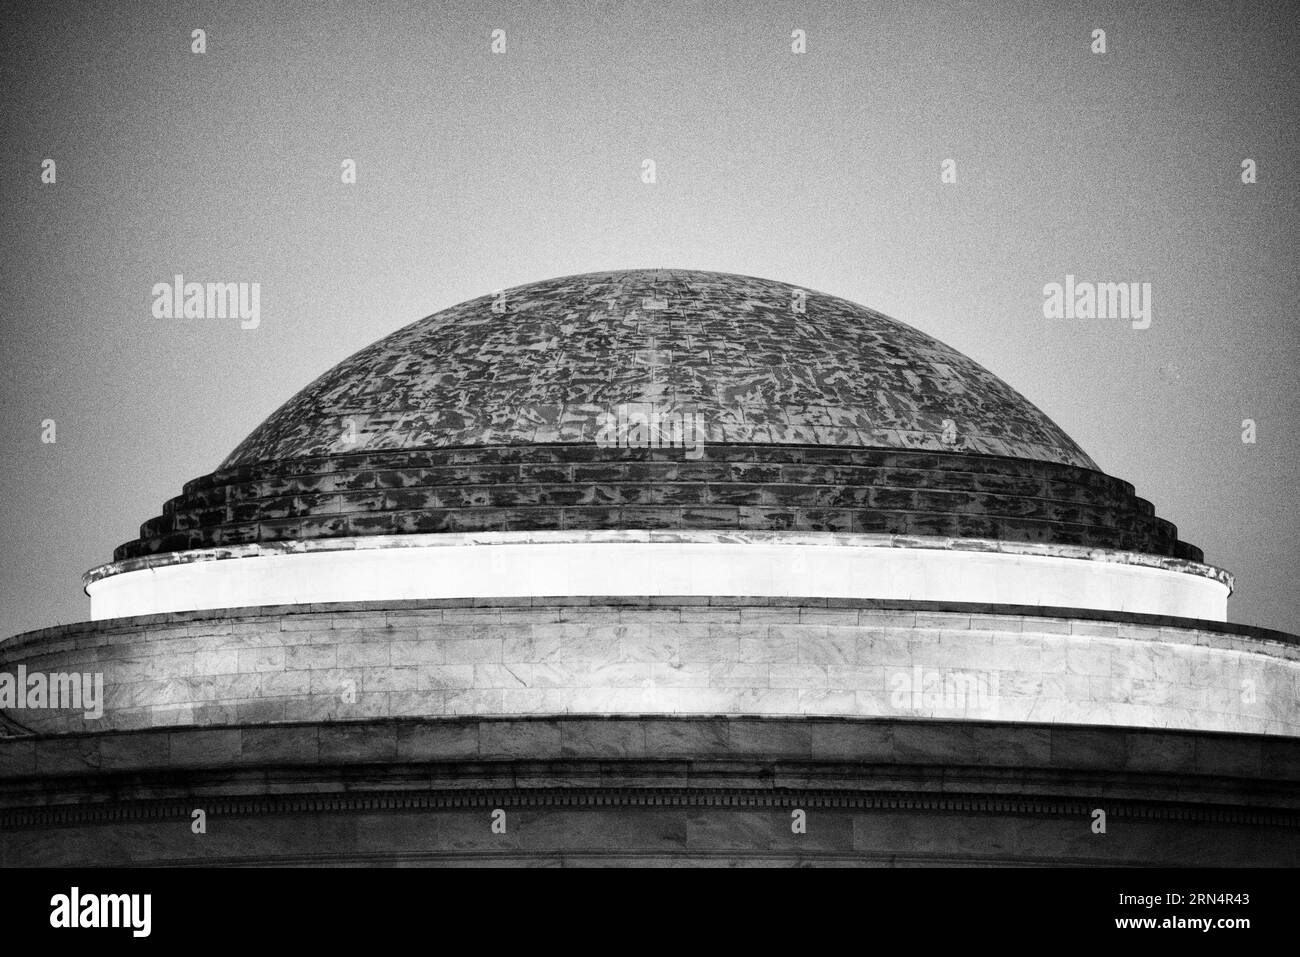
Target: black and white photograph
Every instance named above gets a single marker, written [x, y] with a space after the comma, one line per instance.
[598, 434]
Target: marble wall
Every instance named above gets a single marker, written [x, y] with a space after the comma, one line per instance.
[665, 656]
[650, 790]
[663, 563]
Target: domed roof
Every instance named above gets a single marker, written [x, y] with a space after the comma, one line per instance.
[656, 400]
[763, 362]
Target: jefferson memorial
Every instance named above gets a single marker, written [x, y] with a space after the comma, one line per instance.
[658, 566]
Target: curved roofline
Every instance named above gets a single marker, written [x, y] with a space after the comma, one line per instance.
[828, 371]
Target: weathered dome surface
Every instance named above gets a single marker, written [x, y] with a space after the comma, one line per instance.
[564, 352]
[805, 413]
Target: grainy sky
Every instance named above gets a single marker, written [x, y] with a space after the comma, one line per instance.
[479, 171]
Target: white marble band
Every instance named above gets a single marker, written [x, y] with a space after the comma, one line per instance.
[773, 564]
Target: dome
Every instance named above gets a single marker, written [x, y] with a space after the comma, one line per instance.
[658, 432]
[546, 549]
[768, 408]
[761, 361]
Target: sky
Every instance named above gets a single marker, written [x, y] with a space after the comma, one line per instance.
[479, 170]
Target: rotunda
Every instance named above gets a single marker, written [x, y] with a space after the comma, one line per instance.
[632, 566]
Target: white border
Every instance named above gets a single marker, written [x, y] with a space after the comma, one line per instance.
[695, 563]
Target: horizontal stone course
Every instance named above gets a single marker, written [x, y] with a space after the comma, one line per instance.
[635, 656]
[735, 739]
[258, 621]
[741, 487]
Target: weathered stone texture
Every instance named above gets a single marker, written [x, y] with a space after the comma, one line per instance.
[646, 790]
[560, 353]
[558, 487]
[642, 656]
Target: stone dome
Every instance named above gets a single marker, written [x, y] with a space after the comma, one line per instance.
[478, 566]
[555, 356]
[518, 412]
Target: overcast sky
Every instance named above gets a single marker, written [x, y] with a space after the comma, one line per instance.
[478, 171]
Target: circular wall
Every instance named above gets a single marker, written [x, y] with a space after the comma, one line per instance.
[670, 656]
[694, 563]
